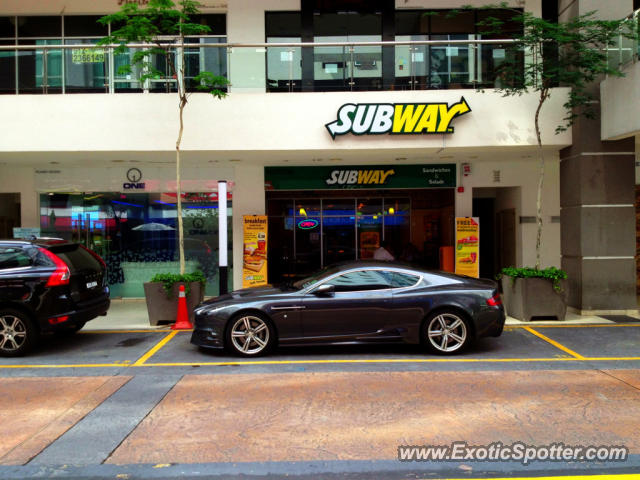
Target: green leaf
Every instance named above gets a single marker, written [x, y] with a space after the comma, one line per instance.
[168, 280]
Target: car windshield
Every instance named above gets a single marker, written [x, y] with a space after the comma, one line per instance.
[307, 282]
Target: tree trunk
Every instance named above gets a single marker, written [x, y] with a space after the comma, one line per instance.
[179, 189]
[543, 96]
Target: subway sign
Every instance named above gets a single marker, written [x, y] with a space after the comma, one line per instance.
[396, 118]
[356, 176]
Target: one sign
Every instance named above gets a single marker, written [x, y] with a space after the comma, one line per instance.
[351, 177]
[254, 264]
[468, 246]
[26, 233]
[396, 118]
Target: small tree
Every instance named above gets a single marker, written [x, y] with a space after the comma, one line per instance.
[158, 24]
[581, 44]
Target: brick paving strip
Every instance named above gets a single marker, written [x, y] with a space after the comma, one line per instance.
[36, 411]
[365, 416]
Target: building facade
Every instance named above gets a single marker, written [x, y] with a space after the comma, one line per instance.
[342, 145]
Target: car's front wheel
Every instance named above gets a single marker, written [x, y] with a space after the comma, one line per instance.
[446, 332]
[18, 334]
[250, 335]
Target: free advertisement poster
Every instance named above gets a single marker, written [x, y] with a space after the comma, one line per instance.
[254, 264]
[468, 246]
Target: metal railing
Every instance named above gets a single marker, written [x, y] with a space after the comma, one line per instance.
[83, 66]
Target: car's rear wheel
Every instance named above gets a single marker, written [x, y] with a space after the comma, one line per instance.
[250, 335]
[18, 334]
[446, 332]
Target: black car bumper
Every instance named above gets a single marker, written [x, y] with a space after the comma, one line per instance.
[77, 314]
[490, 322]
[207, 338]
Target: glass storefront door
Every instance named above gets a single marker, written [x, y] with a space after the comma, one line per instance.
[136, 233]
[307, 234]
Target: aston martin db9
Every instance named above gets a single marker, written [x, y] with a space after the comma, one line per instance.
[357, 302]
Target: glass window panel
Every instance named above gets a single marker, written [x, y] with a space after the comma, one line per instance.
[508, 27]
[85, 68]
[7, 69]
[280, 251]
[284, 65]
[412, 22]
[37, 72]
[126, 82]
[369, 206]
[339, 206]
[40, 26]
[280, 208]
[7, 27]
[448, 22]
[307, 243]
[339, 239]
[283, 24]
[217, 22]
[136, 234]
[397, 231]
[369, 235]
[201, 59]
[83, 26]
[14, 257]
[307, 208]
[397, 206]
[358, 281]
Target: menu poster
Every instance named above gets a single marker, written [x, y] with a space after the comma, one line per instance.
[468, 246]
[254, 264]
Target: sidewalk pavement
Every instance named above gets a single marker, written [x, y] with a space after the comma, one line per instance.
[131, 313]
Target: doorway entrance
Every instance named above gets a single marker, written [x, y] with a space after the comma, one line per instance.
[9, 214]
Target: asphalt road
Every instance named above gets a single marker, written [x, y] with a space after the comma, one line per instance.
[147, 404]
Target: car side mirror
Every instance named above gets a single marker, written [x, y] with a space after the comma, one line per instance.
[324, 290]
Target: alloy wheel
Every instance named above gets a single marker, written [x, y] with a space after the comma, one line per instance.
[250, 335]
[447, 332]
[13, 333]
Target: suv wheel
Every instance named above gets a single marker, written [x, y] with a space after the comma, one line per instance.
[17, 333]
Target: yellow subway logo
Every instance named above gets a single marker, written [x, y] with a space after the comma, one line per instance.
[396, 118]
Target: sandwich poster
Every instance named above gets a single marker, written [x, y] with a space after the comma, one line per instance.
[254, 265]
[468, 246]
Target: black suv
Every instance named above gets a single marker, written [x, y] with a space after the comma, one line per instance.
[47, 286]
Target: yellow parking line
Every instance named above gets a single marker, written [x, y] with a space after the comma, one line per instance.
[584, 325]
[154, 350]
[624, 476]
[554, 343]
[70, 365]
[161, 330]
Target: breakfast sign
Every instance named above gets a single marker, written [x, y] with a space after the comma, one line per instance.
[468, 246]
[254, 261]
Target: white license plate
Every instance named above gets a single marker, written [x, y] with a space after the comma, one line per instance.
[92, 284]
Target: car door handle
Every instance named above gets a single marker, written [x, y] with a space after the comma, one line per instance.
[290, 307]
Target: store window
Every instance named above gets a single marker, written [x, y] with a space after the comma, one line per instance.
[136, 234]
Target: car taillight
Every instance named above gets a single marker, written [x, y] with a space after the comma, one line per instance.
[495, 300]
[96, 256]
[62, 274]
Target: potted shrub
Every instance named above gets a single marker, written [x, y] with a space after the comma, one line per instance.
[530, 292]
[161, 294]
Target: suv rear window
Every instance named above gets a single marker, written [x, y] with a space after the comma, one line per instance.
[76, 258]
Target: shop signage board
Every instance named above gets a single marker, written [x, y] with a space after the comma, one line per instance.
[396, 118]
[468, 246]
[254, 264]
[26, 232]
[354, 177]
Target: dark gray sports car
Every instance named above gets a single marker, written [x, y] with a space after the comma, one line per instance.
[357, 302]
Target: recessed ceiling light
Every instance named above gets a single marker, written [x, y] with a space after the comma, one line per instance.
[401, 159]
[235, 160]
[335, 159]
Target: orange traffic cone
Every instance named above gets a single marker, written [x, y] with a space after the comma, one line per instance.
[182, 322]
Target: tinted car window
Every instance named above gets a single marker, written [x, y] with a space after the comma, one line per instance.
[399, 280]
[13, 257]
[76, 258]
[360, 280]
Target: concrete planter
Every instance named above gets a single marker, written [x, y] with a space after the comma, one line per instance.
[525, 298]
[163, 309]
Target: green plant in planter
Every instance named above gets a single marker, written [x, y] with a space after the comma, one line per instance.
[552, 273]
[168, 280]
